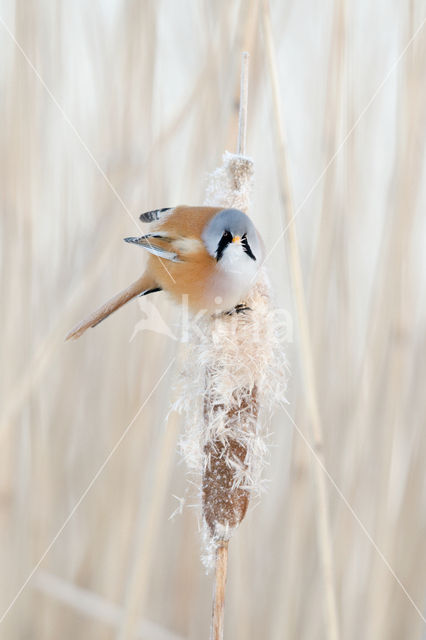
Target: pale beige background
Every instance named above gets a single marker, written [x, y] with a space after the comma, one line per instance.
[115, 107]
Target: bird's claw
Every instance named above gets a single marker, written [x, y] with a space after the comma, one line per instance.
[239, 308]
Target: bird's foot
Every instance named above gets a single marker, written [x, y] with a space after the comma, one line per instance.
[239, 308]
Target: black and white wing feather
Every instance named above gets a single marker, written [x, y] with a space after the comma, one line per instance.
[158, 244]
[152, 216]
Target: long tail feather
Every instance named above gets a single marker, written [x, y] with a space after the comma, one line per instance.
[142, 286]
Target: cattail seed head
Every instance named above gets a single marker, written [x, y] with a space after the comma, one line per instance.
[234, 372]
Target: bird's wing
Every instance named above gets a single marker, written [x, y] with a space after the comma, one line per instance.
[160, 245]
[156, 214]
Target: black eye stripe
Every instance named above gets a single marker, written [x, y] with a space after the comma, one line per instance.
[227, 239]
[223, 243]
[246, 247]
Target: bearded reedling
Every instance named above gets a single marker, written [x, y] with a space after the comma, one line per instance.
[210, 255]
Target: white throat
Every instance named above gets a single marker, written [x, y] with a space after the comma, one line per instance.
[235, 275]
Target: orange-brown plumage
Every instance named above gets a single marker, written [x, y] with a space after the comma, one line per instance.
[185, 246]
[189, 276]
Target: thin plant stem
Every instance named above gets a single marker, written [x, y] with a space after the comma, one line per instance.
[147, 533]
[218, 608]
[242, 119]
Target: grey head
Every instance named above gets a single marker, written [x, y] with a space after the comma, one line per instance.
[227, 227]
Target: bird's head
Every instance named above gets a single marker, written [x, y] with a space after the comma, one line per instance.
[230, 237]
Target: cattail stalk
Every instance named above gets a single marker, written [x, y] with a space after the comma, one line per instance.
[218, 609]
[220, 502]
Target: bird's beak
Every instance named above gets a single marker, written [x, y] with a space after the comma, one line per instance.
[236, 239]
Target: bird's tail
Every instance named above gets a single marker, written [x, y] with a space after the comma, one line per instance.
[142, 286]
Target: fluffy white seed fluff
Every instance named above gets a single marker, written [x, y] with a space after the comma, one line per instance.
[225, 359]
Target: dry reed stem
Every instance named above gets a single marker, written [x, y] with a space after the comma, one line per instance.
[146, 535]
[333, 119]
[245, 41]
[242, 119]
[218, 609]
[92, 605]
[322, 509]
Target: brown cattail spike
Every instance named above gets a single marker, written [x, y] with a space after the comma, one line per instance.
[223, 504]
[224, 501]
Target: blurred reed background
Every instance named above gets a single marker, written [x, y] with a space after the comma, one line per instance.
[116, 107]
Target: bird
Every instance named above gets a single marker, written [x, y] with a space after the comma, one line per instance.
[206, 257]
